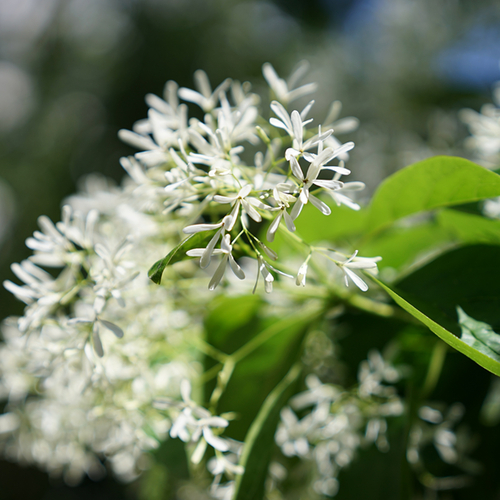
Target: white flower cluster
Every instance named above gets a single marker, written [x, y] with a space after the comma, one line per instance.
[339, 421]
[85, 369]
[97, 344]
[205, 177]
[485, 141]
[485, 130]
[194, 424]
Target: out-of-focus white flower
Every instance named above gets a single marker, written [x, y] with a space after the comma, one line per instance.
[354, 262]
[485, 130]
[284, 90]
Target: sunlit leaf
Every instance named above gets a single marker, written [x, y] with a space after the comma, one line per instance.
[469, 228]
[436, 182]
[400, 246]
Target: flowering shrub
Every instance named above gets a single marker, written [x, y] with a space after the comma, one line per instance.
[144, 345]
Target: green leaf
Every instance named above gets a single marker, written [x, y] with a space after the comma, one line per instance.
[176, 255]
[436, 182]
[469, 228]
[232, 321]
[401, 246]
[482, 359]
[259, 442]
[266, 348]
[342, 223]
[467, 276]
[479, 335]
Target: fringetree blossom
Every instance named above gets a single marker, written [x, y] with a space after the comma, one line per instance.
[106, 365]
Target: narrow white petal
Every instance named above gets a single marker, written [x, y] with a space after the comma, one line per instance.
[251, 211]
[202, 82]
[236, 268]
[245, 191]
[215, 441]
[282, 113]
[305, 111]
[356, 279]
[288, 221]
[273, 227]
[114, 328]
[298, 131]
[301, 91]
[224, 199]
[333, 113]
[343, 149]
[354, 186]
[291, 153]
[322, 207]
[207, 254]
[136, 140]
[96, 340]
[328, 184]
[304, 195]
[197, 228]
[296, 170]
[339, 170]
[297, 208]
[279, 124]
[270, 74]
[192, 96]
[219, 273]
[346, 125]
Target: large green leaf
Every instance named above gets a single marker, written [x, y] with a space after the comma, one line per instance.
[176, 255]
[436, 182]
[400, 246]
[469, 228]
[468, 277]
[259, 442]
[342, 223]
[482, 359]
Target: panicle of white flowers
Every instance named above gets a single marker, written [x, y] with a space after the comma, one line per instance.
[335, 422]
[97, 342]
[485, 141]
[212, 186]
[485, 131]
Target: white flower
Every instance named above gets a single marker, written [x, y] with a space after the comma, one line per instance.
[301, 275]
[206, 254]
[195, 423]
[293, 124]
[226, 250]
[242, 199]
[282, 214]
[284, 90]
[485, 130]
[354, 262]
[204, 97]
[311, 178]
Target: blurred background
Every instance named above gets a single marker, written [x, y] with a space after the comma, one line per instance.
[73, 72]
